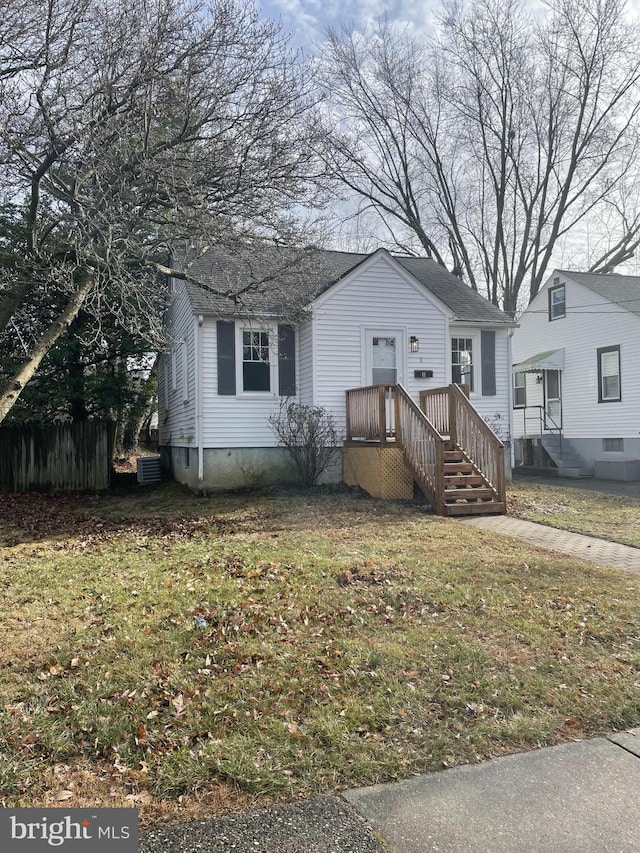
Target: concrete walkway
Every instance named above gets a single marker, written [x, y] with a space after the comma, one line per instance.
[579, 797]
[574, 544]
[573, 798]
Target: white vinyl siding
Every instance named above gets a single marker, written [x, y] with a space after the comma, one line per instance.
[494, 407]
[240, 420]
[331, 355]
[176, 375]
[305, 363]
[377, 298]
[591, 323]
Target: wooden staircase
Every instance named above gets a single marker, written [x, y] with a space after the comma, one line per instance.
[452, 454]
[466, 490]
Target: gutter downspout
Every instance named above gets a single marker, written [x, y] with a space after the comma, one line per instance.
[199, 320]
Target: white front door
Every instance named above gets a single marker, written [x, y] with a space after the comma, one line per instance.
[552, 399]
[384, 357]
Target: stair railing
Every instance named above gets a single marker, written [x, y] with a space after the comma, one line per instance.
[423, 448]
[546, 424]
[477, 441]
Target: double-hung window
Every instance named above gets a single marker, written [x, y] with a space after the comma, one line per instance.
[519, 389]
[557, 304]
[256, 360]
[462, 361]
[609, 387]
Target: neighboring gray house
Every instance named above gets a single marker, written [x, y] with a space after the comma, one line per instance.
[335, 322]
[576, 388]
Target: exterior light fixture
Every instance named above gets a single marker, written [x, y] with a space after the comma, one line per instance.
[414, 344]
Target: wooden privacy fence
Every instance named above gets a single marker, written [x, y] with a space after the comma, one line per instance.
[66, 457]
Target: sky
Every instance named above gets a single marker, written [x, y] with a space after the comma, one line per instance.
[307, 20]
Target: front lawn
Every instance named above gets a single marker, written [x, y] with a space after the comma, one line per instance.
[182, 654]
[580, 510]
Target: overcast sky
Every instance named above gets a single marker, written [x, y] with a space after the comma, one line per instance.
[306, 22]
[307, 19]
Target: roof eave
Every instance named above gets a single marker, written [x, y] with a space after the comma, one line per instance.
[507, 324]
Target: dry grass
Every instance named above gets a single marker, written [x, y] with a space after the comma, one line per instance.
[583, 511]
[186, 655]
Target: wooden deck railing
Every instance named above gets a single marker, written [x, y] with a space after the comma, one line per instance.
[369, 415]
[477, 440]
[384, 412]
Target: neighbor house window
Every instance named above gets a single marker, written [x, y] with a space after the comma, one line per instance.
[256, 366]
[557, 306]
[462, 361]
[519, 389]
[613, 445]
[609, 375]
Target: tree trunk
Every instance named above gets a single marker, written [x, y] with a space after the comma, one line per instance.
[16, 384]
[11, 301]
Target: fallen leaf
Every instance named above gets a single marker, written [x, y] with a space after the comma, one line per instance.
[64, 795]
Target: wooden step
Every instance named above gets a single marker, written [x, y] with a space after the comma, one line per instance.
[458, 468]
[482, 508]
[472, 494]
[453, 456]
[463, 479]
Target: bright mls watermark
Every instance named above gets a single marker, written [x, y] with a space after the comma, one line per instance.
[86, 830]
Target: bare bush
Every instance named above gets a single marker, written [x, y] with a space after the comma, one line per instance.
[308, 435]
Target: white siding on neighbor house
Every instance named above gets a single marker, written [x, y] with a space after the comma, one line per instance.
[239, 420]
[591, 323]
[305, 372]
[378, 298]
[176, 409]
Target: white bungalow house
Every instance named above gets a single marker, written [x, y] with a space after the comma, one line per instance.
[341, 321]
[576, 390]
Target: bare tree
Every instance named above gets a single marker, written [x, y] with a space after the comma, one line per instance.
[489, 145]
[126, 127]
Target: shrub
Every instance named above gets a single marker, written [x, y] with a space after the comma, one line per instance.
[309, 436]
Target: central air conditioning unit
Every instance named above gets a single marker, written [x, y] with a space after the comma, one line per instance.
[149, 470]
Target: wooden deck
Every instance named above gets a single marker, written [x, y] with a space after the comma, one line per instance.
[449, 450]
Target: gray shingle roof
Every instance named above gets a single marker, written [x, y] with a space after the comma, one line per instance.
[285, 279]
[624, 290]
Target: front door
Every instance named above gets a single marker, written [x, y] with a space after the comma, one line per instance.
[384, 359]
[552, 399]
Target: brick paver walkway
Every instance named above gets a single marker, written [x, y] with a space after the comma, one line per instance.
[575, 544]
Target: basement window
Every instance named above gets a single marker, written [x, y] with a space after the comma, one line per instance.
[613, 445]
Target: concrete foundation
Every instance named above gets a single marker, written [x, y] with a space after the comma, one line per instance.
[622, 465]
[626, 470]
[238, 468]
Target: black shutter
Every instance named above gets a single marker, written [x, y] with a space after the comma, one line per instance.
[226, 332]
[286, 361]
[488, 347]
